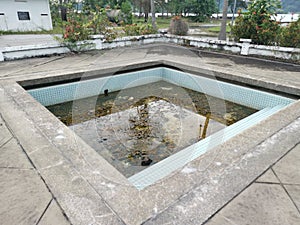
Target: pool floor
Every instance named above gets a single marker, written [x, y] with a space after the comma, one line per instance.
[137, 127]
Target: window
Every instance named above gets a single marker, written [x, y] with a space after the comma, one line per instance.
[23, 16]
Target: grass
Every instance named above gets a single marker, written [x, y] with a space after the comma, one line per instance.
[217, 29]
[56, 30]
[162, 23]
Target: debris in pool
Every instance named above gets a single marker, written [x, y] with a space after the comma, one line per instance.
[146, 161]
[150, 127]
[102, 140]
[200, 132]
[230, 116]
[91, 112]
[106, 92]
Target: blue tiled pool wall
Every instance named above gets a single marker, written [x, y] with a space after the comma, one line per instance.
[86, 88]
[71, 91]
[238, 94]
[267, 104]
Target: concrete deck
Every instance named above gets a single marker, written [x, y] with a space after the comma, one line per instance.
[254, 178]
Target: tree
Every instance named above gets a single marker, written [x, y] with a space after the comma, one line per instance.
[240, 4]
[222, 34]
[203, 9]
[153, 19]
[126, 12]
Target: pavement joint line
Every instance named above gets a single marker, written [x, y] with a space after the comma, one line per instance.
[5, 143]
[288, 194]
[266, 182]
[61, 209]
[49, 61]
[291, 184]
[43, 213]
[28, 158]
[105, 202]
[47, 186]
[15, 168]
[251, 183]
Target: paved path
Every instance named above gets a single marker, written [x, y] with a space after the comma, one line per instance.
[273, 198]
[27, 39]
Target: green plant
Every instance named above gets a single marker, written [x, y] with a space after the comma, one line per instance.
[80, 26]
[126, 12]
[290, 36]
[76, 28]
[258, 23]
[178, 26]
[138, 29]
[98, 21]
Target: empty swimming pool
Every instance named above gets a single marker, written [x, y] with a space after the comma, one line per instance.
[140, 98]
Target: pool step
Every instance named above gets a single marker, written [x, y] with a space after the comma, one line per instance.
[170, 164]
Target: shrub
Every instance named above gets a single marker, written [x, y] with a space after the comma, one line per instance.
[290, 36]
[98, 21]
[126, 12]
[81, 25]
[136, 30]
[257, 23]
[75, 29]
[178, 26]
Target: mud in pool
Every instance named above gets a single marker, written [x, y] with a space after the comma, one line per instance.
[138, 127]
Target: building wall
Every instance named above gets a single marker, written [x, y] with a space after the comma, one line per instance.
[25, 15]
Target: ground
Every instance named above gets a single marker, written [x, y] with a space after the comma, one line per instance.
[253, 178]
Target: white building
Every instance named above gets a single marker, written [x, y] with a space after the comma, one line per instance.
[25, 15]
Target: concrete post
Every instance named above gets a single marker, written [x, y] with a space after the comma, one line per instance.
[245, 46]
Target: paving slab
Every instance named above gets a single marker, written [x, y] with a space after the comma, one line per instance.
[23, 197]
[5, 135]
[294, 192]
[54, 216]
[263, 204]
[12, 156]
[287, 169]
[268, 177]
[77, 183]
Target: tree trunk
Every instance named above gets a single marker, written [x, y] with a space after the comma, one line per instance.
[146, 17]
[153, 15]
[222, 34]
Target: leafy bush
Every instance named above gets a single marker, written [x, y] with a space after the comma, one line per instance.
[76, 29]
[290, 36]
[98, 21]
[136, 30]
[178, 26]
[126, 12]
[257, 24]
[81, 25]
